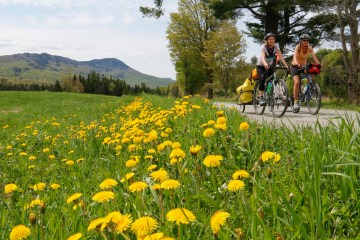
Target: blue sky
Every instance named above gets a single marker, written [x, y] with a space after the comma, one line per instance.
[91, 29]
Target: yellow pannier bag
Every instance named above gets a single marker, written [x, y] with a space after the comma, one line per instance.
[245, 91]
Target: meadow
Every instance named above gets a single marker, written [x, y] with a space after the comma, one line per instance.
[78, 166]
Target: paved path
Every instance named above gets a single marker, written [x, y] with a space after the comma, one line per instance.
[302, 118]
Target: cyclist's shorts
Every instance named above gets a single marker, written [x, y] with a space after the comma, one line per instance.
[294, 70]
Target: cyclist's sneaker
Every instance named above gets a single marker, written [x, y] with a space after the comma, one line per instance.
[296, 106]
[262, 101]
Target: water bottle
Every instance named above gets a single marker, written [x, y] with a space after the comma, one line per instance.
[269, 87]
[305, 88]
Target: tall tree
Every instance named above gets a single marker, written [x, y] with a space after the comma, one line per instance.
[188, 31]
[348, 18]
[224, 52]
[287, 19]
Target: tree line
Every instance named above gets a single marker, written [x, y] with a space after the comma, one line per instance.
[204, 63]
[93, 83]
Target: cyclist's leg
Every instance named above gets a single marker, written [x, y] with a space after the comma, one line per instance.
[260, 71]
[296, 78]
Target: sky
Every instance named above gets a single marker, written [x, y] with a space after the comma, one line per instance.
[84, 30]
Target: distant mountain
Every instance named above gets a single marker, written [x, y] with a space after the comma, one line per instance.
[46, 68]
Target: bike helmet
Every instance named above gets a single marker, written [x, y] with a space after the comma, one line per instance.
[269, 35]
[304, 36]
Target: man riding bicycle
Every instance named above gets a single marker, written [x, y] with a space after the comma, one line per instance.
[302, 51]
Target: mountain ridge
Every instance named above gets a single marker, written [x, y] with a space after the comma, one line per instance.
[47, 68]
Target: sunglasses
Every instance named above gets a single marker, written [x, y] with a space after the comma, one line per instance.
[305, 40]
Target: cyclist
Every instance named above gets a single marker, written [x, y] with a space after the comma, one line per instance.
[268, 54]
[302, 52]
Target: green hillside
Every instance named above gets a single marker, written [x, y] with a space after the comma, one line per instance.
[46, 68]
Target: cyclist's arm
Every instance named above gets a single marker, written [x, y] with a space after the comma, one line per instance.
[263, 60]
[313, 55]
[295, 56]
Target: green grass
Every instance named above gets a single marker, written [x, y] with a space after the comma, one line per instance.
[311, 191]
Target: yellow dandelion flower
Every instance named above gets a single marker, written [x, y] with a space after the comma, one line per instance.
[138, 186]
[160, 147]
[267, 155]
[195, 149]
[167, 143]
[155, 236]
[277, 157]
[218, 220]
[144, 226]
[235, 185]
[123, 223]
[212, 160]
[20, 232]
[180, 216]
[221, 121]
[177, 153]
[222, 127]
[95, 224]
[108, 184]
[55, 186]
[220, 113]
[39, 186]
[152, 167]
[9, 147]
[74, 197]
[176, 145]
[127, 176]
[80, 160]
[174, 161]
[156, 186]
[22, 153]
[131, 163]
[244, 126]
[9, 188]
[32, 158]
[151, 151]
[209, 132]
[33, 203]
[76, 236]
[70, 162]
[170, 184]
[110, 218]
[240, 174]
[45, 150]
[104, 196]
[51, 156]
[159, 175]
[210, 122]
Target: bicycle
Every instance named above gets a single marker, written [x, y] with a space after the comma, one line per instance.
[276, 94]
[311, 94]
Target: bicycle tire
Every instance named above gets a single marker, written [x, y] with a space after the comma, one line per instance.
[279, 97]
[313, 99]
[256, 98]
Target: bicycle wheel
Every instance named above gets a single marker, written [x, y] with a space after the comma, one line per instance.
[256, 98]
[313, 99]
[279, 97]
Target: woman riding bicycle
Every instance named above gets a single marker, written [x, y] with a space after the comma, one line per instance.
[301, 54]
[268, 53]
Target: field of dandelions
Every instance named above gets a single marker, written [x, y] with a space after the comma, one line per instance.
[96, 167]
